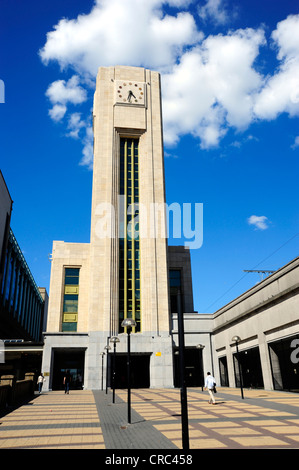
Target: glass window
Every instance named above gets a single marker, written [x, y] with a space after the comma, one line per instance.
[175, 278]
[129, 266]
[71, 280]
[72, 272]
[70, 306]
[70, 300]
[69, 326]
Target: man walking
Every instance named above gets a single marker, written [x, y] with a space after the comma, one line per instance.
[210, 385]
[66, 381]
[40, 382]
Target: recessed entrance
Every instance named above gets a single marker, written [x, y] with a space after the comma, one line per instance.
[284, 363]
[72, 360]
[139, 368]
[193, 367]
[250, 368]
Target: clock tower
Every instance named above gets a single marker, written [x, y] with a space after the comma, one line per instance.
[128, 246]
[122, 273]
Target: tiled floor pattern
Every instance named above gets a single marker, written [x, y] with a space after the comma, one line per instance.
[58, 421]
[63, 422]
[228, 424]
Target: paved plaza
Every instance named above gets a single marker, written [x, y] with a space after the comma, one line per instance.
[89, 420]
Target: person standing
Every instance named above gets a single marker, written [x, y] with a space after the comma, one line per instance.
[66, 381]
[40, 382]
[210, 385]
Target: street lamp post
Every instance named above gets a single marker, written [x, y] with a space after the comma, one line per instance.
[201, 347]
[184, 404]
[236, 340]
[128, 323]
[102, 354]
[107, 349]
[114, 340]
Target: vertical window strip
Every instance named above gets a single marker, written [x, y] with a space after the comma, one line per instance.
[129, 247]
[70, 299]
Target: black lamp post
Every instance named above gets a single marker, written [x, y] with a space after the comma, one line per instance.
[184, 404]
[128, 323]
[114, 340]
[236, 340]
[102, 355]
[107, 349]
[201, 347]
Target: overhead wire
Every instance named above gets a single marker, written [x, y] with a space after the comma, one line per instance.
[267, 257]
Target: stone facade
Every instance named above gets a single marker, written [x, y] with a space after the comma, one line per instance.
[266, 320]
[263, 315]
[114, 117]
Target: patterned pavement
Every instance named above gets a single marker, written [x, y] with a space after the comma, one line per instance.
[53, 420]
[262, 420]
[89, 420]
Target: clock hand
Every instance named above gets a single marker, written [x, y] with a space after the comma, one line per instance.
[130, 95]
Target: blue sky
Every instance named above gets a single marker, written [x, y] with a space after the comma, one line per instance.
[230, 92]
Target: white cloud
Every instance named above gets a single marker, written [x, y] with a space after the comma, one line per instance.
[70, 91]
[133, 32]
[61, 93]
[209, 84]
[215, 10]
[280, 92]
[296, 142]
[74, 125]
[259, 222]
[286, 36]
[82, 129]
[57, 112]
[212, 88]
[87, 152]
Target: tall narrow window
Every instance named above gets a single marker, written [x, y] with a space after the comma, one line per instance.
[175, 286]
[70, 300]
[129, 250]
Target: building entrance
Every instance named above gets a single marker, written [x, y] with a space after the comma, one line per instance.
[71, 360]
[193, 368]
[284, 357]
[223, 371]
[250, 368]
[139, 370]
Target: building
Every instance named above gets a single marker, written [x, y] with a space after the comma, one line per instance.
[123, 271]
[127, 270]
[23, 305]
[266, 320]
[5, 216]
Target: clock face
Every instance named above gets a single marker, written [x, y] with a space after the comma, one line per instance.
[129, 92]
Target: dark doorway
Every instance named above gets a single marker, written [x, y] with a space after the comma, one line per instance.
[72, 360]
[250, 368]
[285, 364]
[193, 368]
[139, 369]
[223, 371]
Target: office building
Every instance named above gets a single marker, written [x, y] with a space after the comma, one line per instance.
[23, 305]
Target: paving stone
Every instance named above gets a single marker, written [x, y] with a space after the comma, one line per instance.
[89, 420]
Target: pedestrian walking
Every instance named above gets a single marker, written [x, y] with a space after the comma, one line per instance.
[40, 382]
[67, 381]
[210, 386]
